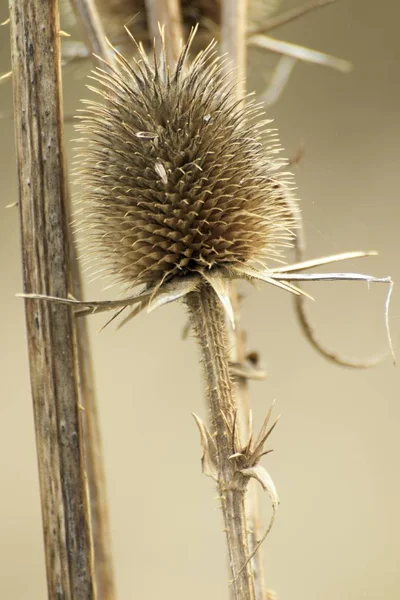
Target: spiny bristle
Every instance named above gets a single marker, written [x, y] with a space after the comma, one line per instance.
[177, 176]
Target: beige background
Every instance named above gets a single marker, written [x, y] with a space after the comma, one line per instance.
[336, 459]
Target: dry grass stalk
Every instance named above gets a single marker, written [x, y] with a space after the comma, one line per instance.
[88, 17]
[50, 329]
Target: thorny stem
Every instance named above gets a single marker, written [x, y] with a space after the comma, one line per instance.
[167, 14]
[233, 42]
[208, 319]
[50, 329]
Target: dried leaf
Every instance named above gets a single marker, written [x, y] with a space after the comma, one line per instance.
[175, 289]
[324, 260]
[300, 52]
[220, 286]
[209, 458]
[263, 477]
[268, 276]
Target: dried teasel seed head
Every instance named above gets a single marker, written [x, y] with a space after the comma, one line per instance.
[178, 177]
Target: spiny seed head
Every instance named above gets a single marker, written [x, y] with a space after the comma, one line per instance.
[177, 176]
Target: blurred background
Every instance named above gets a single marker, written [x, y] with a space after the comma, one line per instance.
[336, 458]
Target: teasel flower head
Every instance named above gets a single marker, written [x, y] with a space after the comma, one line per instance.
[180, 181]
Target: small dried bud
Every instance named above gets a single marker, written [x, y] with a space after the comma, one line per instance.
[177, 176]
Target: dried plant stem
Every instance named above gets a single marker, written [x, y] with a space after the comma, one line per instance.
[233, 37]
[167, 14]
[233, 42]
[103, 564]
[88, 16]
[238, 354]
[100, 523]
[208, 319]
[50, 329]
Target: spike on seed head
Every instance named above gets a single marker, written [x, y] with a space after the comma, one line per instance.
[177, 176]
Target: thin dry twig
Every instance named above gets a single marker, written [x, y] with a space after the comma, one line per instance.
[303, 314]
[50, 329]
[303, 53]
[289, 16]
[5, 77]
[279, 80]
[87, 14]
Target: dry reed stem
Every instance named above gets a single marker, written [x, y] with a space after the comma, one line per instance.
[208, 319]
[233, 38]
[100, 523]
[50, 329]
[167, 14]
[233, 42]
[88, 16]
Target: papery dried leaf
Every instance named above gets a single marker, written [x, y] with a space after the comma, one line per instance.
[221, 287]
[209, 458]
[262, 476]
[177, 288]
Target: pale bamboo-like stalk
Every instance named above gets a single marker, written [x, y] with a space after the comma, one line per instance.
[233, 38]
[166, 14]
[208, 320]
[93, 31]
[233, 42]
[35, 52]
